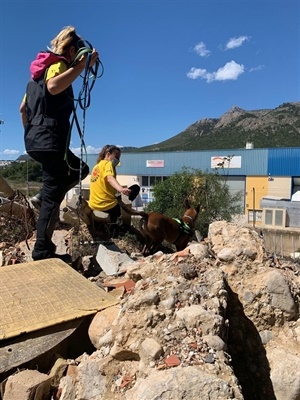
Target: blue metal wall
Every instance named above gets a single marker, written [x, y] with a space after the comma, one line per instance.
[255, 162]
[91, 160]
[284, 162]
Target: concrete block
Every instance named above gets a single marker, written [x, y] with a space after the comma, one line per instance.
[27, 385]
[111, 259]
[67, 389]
[101, 216]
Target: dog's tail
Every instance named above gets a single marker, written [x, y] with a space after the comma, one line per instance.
[131, 211]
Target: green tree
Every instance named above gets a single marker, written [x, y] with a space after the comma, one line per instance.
[207, 189]
[21, 171]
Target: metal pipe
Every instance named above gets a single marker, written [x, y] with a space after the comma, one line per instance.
[254, 214]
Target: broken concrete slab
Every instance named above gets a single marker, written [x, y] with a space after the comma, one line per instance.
[111, 259]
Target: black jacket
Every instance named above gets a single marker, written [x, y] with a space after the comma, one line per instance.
[48, 116]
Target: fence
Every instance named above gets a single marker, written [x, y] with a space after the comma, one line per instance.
[283, 243]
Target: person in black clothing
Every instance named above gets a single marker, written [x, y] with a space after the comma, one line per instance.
[45, 112]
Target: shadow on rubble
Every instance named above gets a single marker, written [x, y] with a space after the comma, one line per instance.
[108, 232]
[249, 360]
[105, 232]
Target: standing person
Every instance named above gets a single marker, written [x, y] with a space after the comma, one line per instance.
[45, 113]
[104, 185]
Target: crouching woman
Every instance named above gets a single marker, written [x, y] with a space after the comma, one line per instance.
[104, 185]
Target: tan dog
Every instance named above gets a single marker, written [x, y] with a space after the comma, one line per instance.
[156, 227]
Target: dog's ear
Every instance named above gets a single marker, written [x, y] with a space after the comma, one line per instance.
[186, 203]
[197, 208]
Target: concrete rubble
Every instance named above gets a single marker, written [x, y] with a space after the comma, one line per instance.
[27, 384]
[219, 320]
[111, 258]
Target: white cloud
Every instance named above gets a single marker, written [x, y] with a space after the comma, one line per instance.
[236, 42]
[201, 50]
[195, 73]
[230, 71]
[88, 149]
[10, 152]
[258, 68]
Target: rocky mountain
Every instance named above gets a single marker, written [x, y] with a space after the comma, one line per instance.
[279, 127]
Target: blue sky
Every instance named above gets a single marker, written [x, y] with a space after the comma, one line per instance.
[167, 64]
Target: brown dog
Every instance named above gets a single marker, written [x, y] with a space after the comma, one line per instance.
[156, 227]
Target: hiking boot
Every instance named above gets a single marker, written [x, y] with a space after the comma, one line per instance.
[36, 201]
[52, 247]
[67, 258]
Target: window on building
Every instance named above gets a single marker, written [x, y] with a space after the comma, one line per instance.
[269, 217]
[152, 180]
[145, 181]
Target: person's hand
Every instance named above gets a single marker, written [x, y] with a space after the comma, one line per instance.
[126, 192]
[93, 59]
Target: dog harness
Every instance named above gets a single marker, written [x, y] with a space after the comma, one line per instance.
[184, 229]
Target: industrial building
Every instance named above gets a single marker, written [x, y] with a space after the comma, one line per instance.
[268, 179]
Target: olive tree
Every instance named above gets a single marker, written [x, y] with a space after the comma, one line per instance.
[210, 190]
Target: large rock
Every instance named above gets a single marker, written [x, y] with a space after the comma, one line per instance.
[285, 376]
[230, 240]
[27, 385]
[100, 329]
[190, 383]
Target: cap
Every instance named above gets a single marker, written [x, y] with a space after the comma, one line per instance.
[135, 190]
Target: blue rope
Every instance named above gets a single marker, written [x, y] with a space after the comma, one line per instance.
[90, 74]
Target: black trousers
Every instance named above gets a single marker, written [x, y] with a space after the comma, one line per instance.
[114, 213]
[59, 176]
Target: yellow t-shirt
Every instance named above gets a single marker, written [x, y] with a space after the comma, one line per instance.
[102, 194]
[56, 69]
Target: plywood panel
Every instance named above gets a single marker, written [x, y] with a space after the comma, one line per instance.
[39, 294]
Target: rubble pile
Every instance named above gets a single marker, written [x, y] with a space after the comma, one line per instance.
[219, 320]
